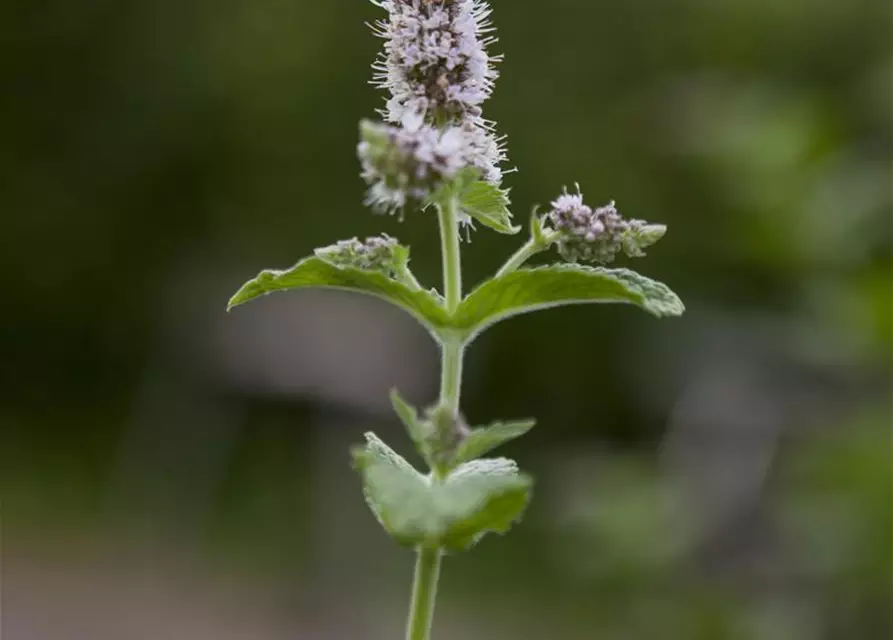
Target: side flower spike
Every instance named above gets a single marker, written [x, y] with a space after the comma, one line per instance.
[598, 235]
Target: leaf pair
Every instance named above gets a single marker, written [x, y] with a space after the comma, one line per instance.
[515, 293]
[467, 444]
[477, 497]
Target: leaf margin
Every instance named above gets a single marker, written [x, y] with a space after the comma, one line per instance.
[424, 306]
[481, 440]
[487, 495]
[624, 286]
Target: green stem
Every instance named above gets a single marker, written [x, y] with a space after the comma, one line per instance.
[427, 568]
[527, 251]
[451, 354]
[424, 593]
[408, 278]
[448, 215]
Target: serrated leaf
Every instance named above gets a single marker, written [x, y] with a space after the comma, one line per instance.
[424, 306]
[409, 416]
[477, 497]
[398, 495]
[527, 290]
[479, 199]
[483, 496]
[483, 439]
[489, 205]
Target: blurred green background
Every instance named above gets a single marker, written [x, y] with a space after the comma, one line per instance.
[171, 471]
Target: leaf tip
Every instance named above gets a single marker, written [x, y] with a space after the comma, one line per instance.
[669, 307]
[357, 454]
[237, 299]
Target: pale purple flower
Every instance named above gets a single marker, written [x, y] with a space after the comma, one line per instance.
[407, 164]
[435, 58]
[597, 235]
[436, 67]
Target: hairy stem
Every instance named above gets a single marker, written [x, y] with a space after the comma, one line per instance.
[424, 592]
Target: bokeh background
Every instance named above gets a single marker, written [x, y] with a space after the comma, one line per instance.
[172, 471]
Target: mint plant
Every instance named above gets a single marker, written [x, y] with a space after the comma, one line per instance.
[436, 155]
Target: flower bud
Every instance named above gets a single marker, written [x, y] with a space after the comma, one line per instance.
[640, 235]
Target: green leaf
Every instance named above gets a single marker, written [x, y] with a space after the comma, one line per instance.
[398, 495]
[527, 290]
[478, 497]
[480, 200]
[489, 205]
[424, 306]
[482, 496]
[483, 439]
[409, 416]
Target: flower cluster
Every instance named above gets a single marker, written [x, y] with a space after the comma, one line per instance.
[378, 253]
[436, 67]
[597, 235]
[403, 164]
[435, 61]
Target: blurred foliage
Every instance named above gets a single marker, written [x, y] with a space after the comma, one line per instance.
[624, 536]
